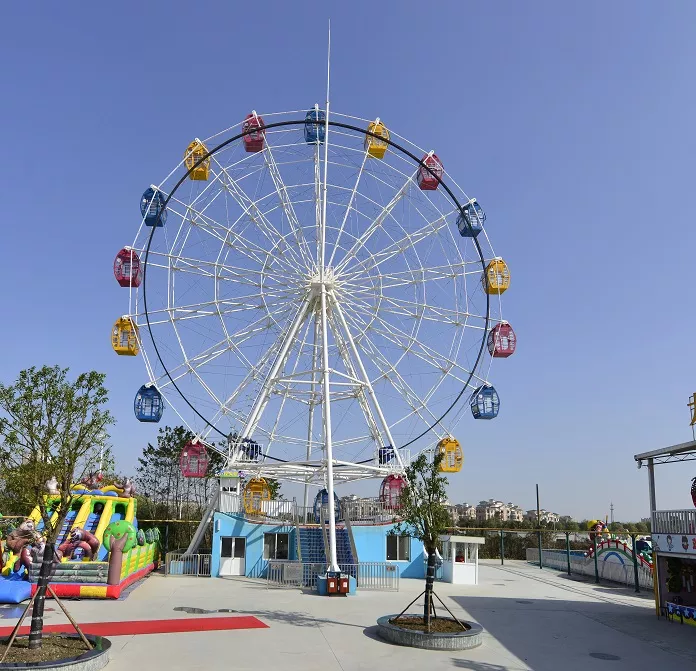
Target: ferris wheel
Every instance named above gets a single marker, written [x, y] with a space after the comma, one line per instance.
[316, 298]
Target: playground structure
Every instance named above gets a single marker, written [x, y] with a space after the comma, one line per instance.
[99, 549]
[322, 263]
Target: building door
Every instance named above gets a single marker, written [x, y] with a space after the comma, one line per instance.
[232, 555]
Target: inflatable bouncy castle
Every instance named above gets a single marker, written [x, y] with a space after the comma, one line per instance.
[99, 548]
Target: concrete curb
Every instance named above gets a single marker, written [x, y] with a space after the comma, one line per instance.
[434, 641]
[92, 660]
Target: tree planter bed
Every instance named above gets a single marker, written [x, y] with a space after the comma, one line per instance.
[435, 640]
[74, 656]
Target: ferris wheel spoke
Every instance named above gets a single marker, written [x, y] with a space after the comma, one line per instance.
[279, 244]
[410, 344]
[226, 235]
[404, 244]
[420, 275]
[207, 269]
[397, 381]
[272, 435]
[422, 310]
[374, 226]
[348, 208]
[286, 203]
[344, 355]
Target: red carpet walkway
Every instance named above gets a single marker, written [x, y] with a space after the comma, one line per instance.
[136, 627]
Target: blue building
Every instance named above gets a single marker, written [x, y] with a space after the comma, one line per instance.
[243, 545]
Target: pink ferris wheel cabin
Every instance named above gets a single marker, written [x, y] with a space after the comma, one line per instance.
[427, 180]
[254, 141]
[502, 341]
[127, 269]
[194, 460]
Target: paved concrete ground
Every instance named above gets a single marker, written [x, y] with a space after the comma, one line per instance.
[534, 619]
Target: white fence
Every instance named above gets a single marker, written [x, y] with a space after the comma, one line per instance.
[608, 570]
[180, 564]
[378, 576]
[359, 511]
[674, 522]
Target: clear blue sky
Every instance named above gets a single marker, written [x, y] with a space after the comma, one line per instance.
[573, 124]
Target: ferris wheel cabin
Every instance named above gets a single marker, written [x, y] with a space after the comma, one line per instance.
[502, 341]
[197, 161]
[496, 279]
[194, 460]
[430, 174]
[148, 404]
[470, 221]
[124, 337]
[452, 455]
[315, 127]
[390, 491]
[127, 268]
[376, 147]
[485, 402]
[254, 140]
[152, 207]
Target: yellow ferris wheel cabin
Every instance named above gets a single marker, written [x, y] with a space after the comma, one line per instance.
[452, 455]
[194, 153]
[497, 277]
[124, 337]
[374, 146]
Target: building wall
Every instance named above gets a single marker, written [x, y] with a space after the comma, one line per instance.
[236, 526]
[370, 544]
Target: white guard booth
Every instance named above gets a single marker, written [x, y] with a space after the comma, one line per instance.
[460, 559]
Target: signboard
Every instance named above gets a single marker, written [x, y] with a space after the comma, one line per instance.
[675, 543]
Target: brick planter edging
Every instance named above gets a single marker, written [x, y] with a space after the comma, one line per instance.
[433, 641]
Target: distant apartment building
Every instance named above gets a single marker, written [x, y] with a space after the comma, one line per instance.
[465, 510]
[505, 512]
[544, 516]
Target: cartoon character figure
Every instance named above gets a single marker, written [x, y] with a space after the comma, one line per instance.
[685, 543]
[670, 545]
[80, 539]
[92, 480]
[52, 486]
[128, 488]
[20, 541]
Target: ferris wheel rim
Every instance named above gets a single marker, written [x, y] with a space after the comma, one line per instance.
[338, 124]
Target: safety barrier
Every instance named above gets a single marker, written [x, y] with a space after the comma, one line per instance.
[674, 522]
[377, 576]
[613, 571]
[180, 564]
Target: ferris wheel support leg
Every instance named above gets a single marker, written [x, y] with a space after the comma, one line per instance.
[310, 427]
[326, 390]
[363, 372]
[203, 524]
[265, 393]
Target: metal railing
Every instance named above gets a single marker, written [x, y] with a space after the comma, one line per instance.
[621, 572]
[360, 511]
[674, 522]
[181, 564]
[378, 576]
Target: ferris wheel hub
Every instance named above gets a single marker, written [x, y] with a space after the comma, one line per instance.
[316, 282]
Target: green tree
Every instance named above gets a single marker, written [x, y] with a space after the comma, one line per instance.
[50, 426]
[423, 515]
